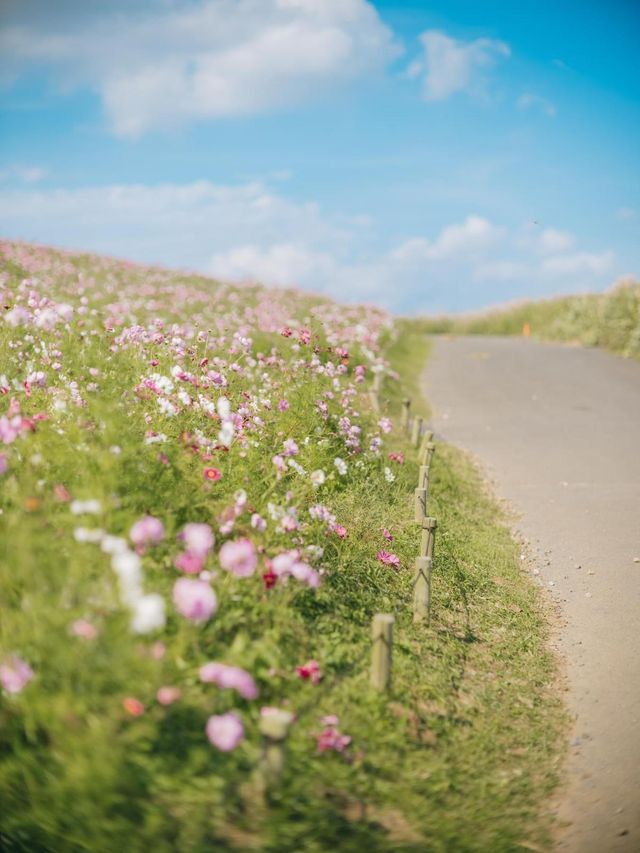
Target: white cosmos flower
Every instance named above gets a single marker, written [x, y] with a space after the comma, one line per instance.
[148, 614]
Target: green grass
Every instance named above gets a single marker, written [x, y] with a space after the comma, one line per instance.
[609, 320]
[461, 753]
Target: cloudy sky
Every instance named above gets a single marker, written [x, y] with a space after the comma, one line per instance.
[427, 156]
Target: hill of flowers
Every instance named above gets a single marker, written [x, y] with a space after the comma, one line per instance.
[176, 463]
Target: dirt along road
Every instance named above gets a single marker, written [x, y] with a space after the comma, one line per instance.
[557, 430]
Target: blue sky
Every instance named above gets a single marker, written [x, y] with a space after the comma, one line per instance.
[425, 156]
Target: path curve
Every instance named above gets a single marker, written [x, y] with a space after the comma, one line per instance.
[557, 429]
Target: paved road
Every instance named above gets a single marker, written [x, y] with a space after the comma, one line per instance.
[557, 429]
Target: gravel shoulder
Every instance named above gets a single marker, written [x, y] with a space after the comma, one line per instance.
[557, 431]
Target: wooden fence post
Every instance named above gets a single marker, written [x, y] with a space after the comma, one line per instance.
[423, 477]
[427, 454]
[416, 430]
[377, 382]
[427, 436]
[375, 402]
[427, 540]
[420, 504]
[274, 728]
[382, 641]
[422, 589]
[406, 414]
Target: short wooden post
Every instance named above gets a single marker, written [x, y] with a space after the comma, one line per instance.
[382, 642]
[427, 436]
[416, 430]
[406, 414]
[420, 504]
[422, 589]
[423, 477]
[274, 728]
[427, 540]
[427, 454]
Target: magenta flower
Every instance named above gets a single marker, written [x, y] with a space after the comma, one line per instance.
[194, 599]
[190, 563]
[330, 737]
[147, 531]
[340, 531]
[198, 538]
[225, 731]
[229, 678]
[387, 535]
[15, 674]
[310, 671]
[239, 557]
[387, 558]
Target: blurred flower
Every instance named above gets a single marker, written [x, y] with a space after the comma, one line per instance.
[239, 557]
[84, 629]
[212, 474]
[389, 475]
[387, 558]
[387, 535]
[15, 674]
[189, 562]
[168, 695]
[310, 671]
[397, 457]
[330, 738]
[385, 424]
[317, 477]
[148, 614]
[340, 531]
[90, 507]
[147, 531]
[194, 599]
[133, 706]
[341, 466]
[225, 731]
[198, 538]
[229, 677]
[258, 522]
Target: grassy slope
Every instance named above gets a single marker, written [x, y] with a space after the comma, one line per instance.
[609, 320]
[457, 757]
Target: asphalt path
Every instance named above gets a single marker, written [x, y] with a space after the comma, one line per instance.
[557, 431]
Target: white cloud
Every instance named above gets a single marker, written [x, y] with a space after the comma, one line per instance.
[25, 174]
[451, 66]
[579, 263]
[251, 231]
[186, 61]
[528, 101]
[626, 214]
[281, 264]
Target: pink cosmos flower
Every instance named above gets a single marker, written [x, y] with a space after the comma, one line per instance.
[15, 674]
[239, 557]
[198, 538]
[229, 677]
[385, 424]
[310, 671]
[194, 599]
[225, 731]
[290, 448]
[387, 535]
[283, 405]
[168, 695]
[397, 457]
[189, 562]
[133, 706]
[387, 558]
[212, 474]
[147, 531]
[330, 738]
[340, 531]
[84, 629]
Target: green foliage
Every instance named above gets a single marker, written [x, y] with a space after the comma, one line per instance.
[457, 757]
[610, 320]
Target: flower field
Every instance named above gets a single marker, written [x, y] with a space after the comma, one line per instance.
[200, 513]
